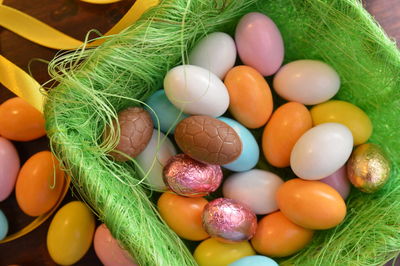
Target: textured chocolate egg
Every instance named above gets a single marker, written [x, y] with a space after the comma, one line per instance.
[208, 140]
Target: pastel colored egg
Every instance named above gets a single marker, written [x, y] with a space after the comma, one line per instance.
[259, 43]
[311, 204]
[20, 121]
[321, 151]
[212, 252]
[306, 81]
[347, 114]
[183, 215]
[250, 150]
[255, 188]
[70, 233]
[9, 165]
[215, 52]
[250, 96]
[159, 150]
[40, 184]
[108, 250]
[196, 91]
[277, 236]
[255, 260]
[3, 225]
[287, 124]
[339, 181]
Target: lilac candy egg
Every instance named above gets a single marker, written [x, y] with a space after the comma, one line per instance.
[230, 220]
[339, 181]
[188, 177]
[9, 167]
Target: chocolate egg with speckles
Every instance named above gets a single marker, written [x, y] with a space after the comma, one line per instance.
[208, 140]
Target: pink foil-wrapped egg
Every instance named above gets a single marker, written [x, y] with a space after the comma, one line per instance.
[188, 177]
[230, 220]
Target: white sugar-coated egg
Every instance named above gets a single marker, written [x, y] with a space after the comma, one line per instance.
[306, 81]
[255, 188]
[321, 151]
[196, 91]
[216, 52]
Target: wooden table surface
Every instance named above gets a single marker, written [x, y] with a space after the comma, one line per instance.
[75, 18]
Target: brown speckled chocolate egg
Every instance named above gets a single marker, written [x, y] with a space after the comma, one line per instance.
[208, 140]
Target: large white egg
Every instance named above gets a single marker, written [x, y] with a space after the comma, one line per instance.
[196, 91]
[216, 52]
[255, 188]
[321, 151]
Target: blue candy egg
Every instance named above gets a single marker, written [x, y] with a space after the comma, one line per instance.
[255, 260]
[166, 112]
[3, 225]
[250, 150]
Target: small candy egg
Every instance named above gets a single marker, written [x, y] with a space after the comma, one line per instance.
[306, 81]
[168, 115]
[250, 150]
[216, 52]
[216, 253]
[183, 215]
[20, 121]
[277, 236]
[3, 225]
[344, 113]
[255, 260]
[259, 43]
[227, 219]
[188, 177]
[321, 151]
[250, 96]
[196, 91]
[311, 204]
[287, 124]
[368, 168]
[160, 151]
[208, 140]
[255, 188]
[39, 184]
[70, 233]
[108, 250]
[9, 165]
[339, 181]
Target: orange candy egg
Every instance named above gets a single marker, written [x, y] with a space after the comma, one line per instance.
[311, 204]
[287, 124]
[183, 215]
[20, 121]
[250, 96]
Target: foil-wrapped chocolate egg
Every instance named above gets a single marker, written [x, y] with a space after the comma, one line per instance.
[368, 168]
[188, 177]
[229, 220]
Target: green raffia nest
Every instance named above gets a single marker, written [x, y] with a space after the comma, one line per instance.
[97, 83]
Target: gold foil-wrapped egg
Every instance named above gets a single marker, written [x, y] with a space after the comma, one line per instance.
[368, 168]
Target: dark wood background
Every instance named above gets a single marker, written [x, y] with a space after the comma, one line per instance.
[75, 18]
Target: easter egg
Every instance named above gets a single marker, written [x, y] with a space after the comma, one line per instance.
[250, 150]
[321, 151]
[39, 184]
[108, 250]
[339, 181]
[250, 96]
[3, 225]
[168, 115]
[196, 91]
[20, 121]
[9, 165]
[215, 52]
[188, 177]
[277, 236]
[208, 140]
[344, 113]
[212, 252]
[255, 188]
[368, 168]
[306, 81]
[183, 215]
[152, 160]
[311, 204]
[259, 43]
[255, 260]
[287, 124]
[70, 233]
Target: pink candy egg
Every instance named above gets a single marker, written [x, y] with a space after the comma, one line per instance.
[339, 181]
[9, 167]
